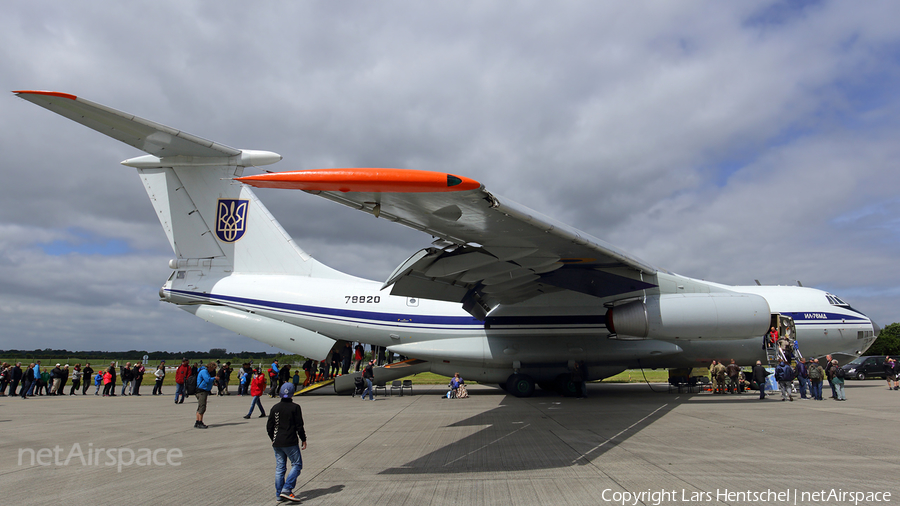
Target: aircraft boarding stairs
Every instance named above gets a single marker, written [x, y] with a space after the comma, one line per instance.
[344, 384]
[775, 354]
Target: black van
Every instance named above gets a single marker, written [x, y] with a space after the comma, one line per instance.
[869, 366]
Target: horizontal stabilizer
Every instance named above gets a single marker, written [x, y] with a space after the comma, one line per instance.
[148, 136]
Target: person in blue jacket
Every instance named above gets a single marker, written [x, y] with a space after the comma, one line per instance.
[98, 380]
[205, 379]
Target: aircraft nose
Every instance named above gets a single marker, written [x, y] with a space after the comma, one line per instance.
[876, 328]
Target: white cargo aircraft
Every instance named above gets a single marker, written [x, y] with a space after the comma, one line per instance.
[503, 294]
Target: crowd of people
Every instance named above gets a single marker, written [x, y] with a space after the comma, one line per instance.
[809, 375]
[38, 379]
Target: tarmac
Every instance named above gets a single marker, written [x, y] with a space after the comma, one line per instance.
[624, 444]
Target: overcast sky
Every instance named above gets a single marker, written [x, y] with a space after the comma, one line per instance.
[727, 141]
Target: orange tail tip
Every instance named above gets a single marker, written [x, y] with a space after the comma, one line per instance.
[363, 180]
[48, 93]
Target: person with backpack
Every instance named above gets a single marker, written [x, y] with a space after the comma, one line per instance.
[205, 380]
[815, 372]
[784, 375]
[838, 381]
[181, 374]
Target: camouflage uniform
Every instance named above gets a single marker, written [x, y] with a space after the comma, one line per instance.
[720, 378]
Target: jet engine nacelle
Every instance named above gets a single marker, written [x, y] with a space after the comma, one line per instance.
[692, 316]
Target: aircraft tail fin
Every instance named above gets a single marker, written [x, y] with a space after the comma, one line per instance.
[209, 219]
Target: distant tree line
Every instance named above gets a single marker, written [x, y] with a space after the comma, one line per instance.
[888, 342]
[154, 356]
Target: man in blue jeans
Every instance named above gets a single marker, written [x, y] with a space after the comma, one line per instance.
[285, 428]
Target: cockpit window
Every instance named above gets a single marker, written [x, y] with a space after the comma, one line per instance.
[835, 301]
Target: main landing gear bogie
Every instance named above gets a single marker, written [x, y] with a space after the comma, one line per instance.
[520, 385]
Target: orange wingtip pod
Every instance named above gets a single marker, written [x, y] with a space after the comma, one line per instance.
[363, 180]
[48, 93]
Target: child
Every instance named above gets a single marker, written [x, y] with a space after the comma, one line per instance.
[257, 387]
[296, 380]
[98, 379]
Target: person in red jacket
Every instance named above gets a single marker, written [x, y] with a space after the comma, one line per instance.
[257, 387]
[181, 374]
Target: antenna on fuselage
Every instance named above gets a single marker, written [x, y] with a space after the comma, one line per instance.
[799, 283]
[757, 282]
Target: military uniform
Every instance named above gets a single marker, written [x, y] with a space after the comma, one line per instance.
[734, 378]
[720, 378]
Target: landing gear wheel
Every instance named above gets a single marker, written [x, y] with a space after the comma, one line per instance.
[520, 385]
[565, 386]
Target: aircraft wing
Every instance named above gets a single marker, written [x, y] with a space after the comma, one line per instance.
[489, 251]
[158, 140]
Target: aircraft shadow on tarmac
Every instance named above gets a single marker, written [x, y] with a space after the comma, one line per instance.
[545, 431]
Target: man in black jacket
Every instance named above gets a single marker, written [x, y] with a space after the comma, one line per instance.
[16, 376]
[88, 374]
[285, 428]
[759, 377]
[127, 378]
[63, 379]
[27, 381]
[346, 353]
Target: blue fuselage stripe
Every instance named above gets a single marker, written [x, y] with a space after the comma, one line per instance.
[406, 320]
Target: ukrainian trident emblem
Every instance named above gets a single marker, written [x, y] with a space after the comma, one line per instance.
[231, 219]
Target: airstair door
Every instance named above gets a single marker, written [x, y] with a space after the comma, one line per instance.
[786, 346]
